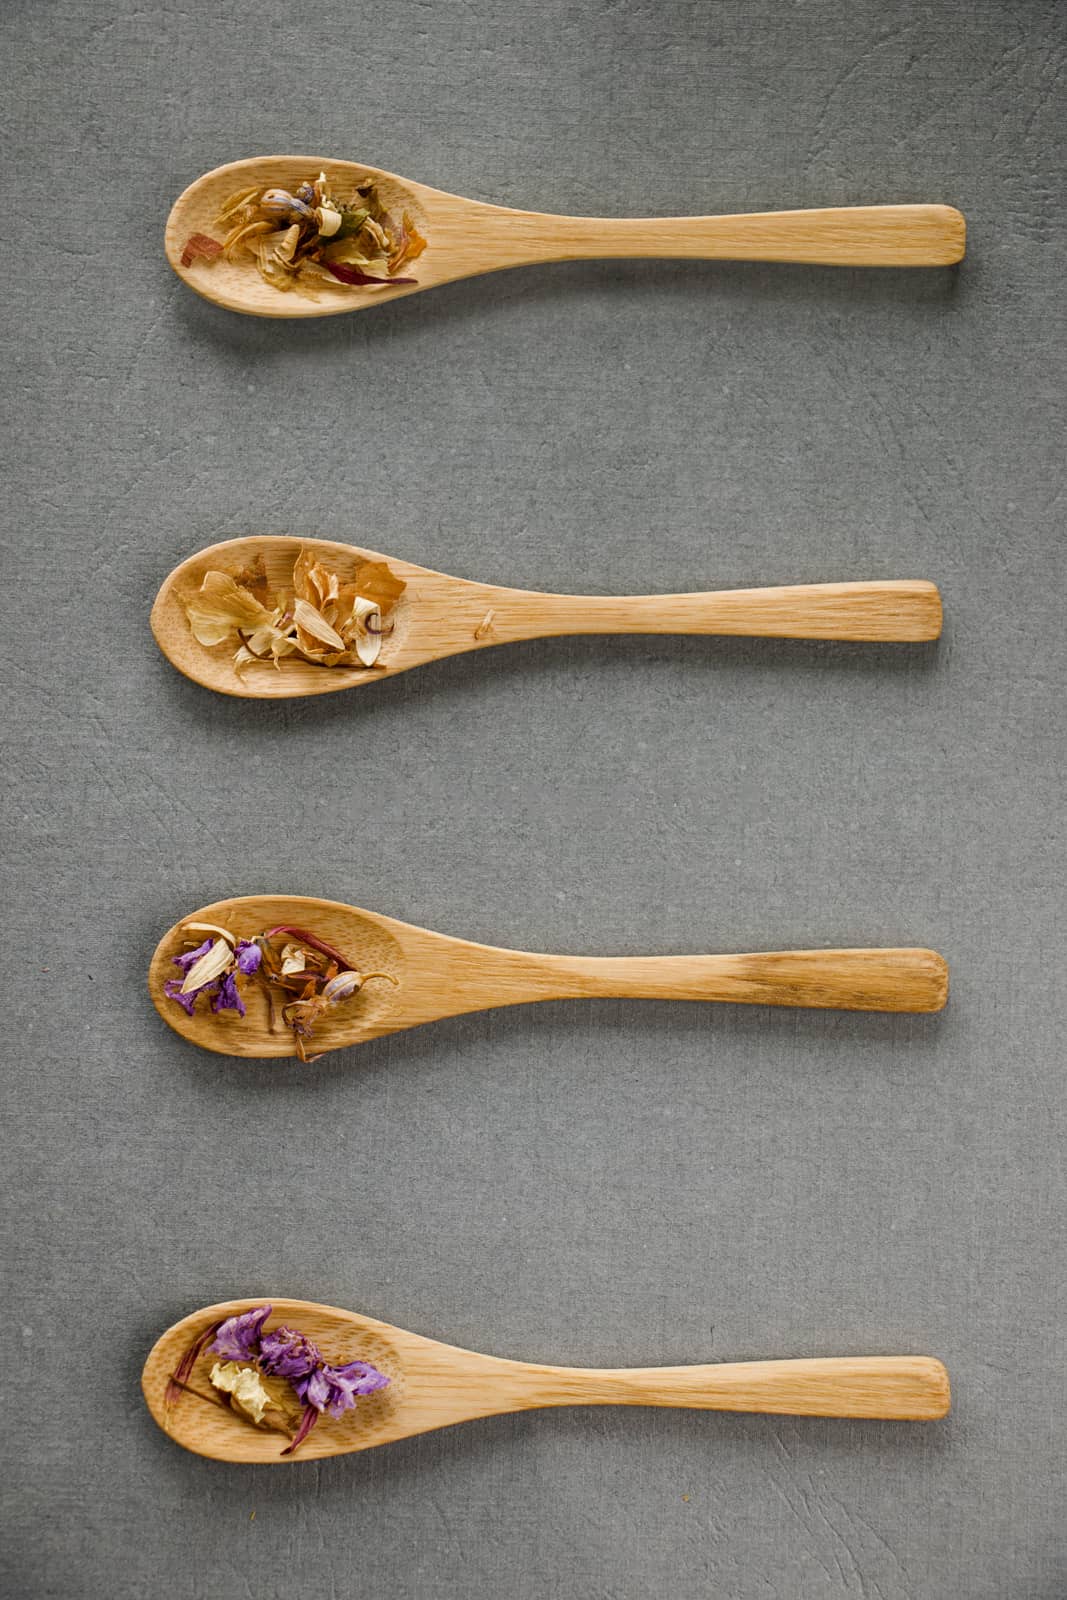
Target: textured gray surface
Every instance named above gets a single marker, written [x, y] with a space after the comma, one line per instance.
[591, 1183]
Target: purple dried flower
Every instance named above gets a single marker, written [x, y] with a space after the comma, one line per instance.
[345, 1384]
[249, 956]
[227, 998]
[314, 1390]
[238, 1339]
[173, 990]
[192, 956]
[285, 1353]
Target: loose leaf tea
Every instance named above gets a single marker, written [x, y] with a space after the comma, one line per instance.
[308, 240]
[303, 977]
[252, 1355]
[322, 619]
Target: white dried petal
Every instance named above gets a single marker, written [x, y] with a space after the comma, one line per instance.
[368, 619]
[294, 959]
[328, 219]
[244, 1387]
[212, 964]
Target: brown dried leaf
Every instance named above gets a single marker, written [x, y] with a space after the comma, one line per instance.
[378, 582]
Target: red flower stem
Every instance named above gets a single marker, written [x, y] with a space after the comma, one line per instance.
[316, 944]
[307, 1422]
[188, 1361]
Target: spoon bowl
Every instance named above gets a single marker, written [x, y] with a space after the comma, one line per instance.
[467, 237]
[439, 616]
[437, 976]
[434, 1385]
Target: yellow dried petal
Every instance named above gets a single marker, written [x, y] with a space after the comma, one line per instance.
[245, 234]
[244, 1387]
[212, 964]
[377, 581]
[313, 622]
[209, 927]
[243, 197]
[220, 607]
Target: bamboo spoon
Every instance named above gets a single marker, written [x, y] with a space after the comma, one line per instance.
[467, 237]
[436, 976]
[435, 1385]
[439, 616]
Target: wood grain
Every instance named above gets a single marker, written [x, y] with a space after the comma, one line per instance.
[466, 237]
[435, 1385]
[440, 976]
[440, 616]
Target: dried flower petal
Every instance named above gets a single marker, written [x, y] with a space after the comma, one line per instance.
[249, 956]
[345, 1384]
[378, 582]
[200, 247]
[173, 991]
[286, 1353]
[353, 275]
[191, 957]
[238, 1337]
[211, 965]
[409, 245]
[313, 622]
[182, 1371]
[227, 998]
[236, 201]
[307, 1422]
[368, 630]
[245, 1389]
[221, 607]
[293, 959]
[209, 927]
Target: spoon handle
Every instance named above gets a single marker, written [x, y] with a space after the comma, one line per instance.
[905, 1388]
[905, 610]
[912, 980]
[856, 236]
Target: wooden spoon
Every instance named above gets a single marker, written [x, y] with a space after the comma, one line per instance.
[436, 976]
[439, 616]
[434, 1385]
[466, 237]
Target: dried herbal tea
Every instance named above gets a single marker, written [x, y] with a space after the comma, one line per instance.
[309, 240]
[303, 977]
[253, 1358]
[321, 619]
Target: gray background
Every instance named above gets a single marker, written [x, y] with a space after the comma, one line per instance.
[588, 1183]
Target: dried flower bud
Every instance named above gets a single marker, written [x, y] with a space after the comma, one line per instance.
[342, 987]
